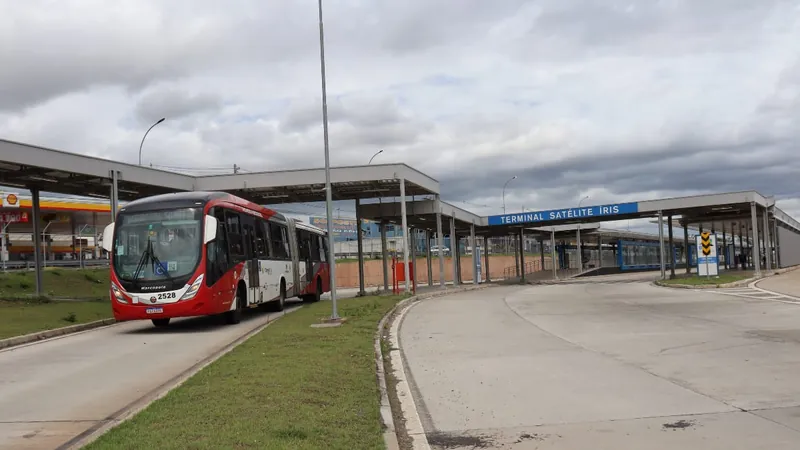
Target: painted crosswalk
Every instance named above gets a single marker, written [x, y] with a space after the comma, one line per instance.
[756, 293]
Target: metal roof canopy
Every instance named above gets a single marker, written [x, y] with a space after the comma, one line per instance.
[31, 167]
[733, 206]
[421, 214]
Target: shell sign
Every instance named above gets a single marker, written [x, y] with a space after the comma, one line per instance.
[9, 200]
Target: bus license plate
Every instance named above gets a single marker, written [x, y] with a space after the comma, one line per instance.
[154, 310]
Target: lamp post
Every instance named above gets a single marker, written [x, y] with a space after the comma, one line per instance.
[328, 190]
[373, 156]
[580, 255]
[504, 192]
[504, 205]
[145, 135]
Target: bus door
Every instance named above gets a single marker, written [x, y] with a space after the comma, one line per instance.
[253, 265]
[307, 269]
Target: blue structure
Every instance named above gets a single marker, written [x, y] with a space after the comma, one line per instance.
[637, 255]
[616, 209]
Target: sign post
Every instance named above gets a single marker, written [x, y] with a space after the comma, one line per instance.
[477, 256]
[707, 258]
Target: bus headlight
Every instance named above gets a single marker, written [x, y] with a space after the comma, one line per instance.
[118, 294]
[192, 291]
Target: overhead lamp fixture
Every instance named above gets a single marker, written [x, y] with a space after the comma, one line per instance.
[16, 185]
[91, 194]
[41, 178]
[127, 191]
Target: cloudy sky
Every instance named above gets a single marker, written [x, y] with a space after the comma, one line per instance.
[618, 100]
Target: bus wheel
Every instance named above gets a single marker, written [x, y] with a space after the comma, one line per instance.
[282, 299]
[235, 316]
[161, 322]
[315, 297]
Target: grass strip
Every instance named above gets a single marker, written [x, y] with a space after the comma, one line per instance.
[24, 316]
[85, 284]
[288, 387]
[707, 281]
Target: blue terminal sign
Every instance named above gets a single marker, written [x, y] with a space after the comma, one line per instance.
[587, 212]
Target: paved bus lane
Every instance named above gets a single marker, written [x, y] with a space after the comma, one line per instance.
[55, 390]
[604, 366]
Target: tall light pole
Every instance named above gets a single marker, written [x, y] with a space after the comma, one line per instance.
[328, 190]
[373, 156]
[504, 205]
[504, 192]
[145, 135]
[580, 255]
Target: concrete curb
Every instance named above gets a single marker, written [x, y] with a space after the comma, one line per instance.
[391, 323]
[749, 282]
[47, 334]
[739, 283]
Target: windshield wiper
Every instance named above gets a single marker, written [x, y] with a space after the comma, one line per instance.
[142, 260]
[150, 256]
[157, 261]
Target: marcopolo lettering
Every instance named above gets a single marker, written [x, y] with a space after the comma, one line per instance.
[565, 214]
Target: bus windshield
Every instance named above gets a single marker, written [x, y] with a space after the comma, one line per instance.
[157, 245]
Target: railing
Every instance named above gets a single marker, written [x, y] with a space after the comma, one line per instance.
[30, 265]
[529, 267]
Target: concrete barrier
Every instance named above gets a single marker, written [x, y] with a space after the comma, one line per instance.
[47, 334]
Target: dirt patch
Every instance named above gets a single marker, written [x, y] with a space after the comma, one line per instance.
[529, 437]
[447, 441]
[679, 425]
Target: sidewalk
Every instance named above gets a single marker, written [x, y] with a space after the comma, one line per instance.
[787, 283]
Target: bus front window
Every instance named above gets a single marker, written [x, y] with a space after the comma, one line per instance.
[157, 245]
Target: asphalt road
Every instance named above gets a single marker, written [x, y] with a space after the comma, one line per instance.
[53, 391]
[611, 365]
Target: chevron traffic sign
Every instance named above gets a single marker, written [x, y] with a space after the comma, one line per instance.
[705, 243]
[707, 260]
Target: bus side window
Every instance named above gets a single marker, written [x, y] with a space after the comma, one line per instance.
[277, 234]
[269, 253]
[304, 249]
[248, 236]
[237, 245]
[323, 249]
[261, 240]
[218, 261]
[285, 235]
[315, 249]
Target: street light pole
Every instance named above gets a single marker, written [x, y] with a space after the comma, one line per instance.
[373, 156]
[504, 192]
[504, 206]
[145, 135]
[328, 190]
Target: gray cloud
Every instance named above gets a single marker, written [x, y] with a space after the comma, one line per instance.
[616, 99]
[175, 104]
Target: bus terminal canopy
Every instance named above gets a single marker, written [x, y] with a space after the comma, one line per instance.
[43, 169]
[36, 168]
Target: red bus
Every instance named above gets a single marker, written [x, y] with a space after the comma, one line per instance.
[207, 253]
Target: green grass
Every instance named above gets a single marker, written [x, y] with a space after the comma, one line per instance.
[289, 387]
[87, 284]
[18, 317]
[695, 280]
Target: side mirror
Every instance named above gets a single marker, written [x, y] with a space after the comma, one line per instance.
[209, 229]
[108, 237]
